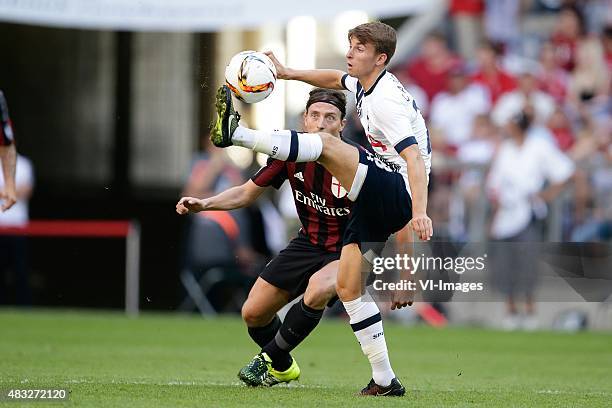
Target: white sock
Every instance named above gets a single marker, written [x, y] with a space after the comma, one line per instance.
[367, 326]
[278, 144]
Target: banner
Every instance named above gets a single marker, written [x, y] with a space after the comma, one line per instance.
[188, 15]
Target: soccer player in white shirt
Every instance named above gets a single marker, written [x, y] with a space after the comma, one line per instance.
[389, 188]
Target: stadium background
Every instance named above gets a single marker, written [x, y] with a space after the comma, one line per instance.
[110, 110]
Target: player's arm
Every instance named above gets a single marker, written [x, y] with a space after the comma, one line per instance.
[323, 78]
[395, 119]
[417, 178]
[8, 157]
[235, 197]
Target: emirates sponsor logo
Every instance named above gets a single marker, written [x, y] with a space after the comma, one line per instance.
[318, 203]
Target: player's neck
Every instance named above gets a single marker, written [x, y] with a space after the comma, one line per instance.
[368, 81]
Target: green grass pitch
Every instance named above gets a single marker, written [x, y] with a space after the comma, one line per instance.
[108, 360]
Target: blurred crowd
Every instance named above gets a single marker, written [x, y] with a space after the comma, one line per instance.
[503, 64]
[517, 96]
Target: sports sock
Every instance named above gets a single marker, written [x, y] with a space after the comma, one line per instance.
[263, 335]
[285, 145]
[367, 325]
[299, 322]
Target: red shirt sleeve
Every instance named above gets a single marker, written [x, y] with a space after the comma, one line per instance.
[274, 173]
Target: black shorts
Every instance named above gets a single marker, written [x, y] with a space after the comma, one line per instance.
[291, 269]
[383, 205]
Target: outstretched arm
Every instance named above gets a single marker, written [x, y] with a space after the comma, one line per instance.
[417, 178]
[8, 157]
[323, 78]
[235, 197]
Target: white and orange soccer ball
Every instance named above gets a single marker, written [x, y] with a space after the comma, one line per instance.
[251, 76]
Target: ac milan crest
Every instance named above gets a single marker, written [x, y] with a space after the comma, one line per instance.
[337, 190]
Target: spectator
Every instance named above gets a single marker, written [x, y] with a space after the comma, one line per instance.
[598, 225]
[476, 155]
[480, 148]
[565, 37]
[591, 78]
[15, 184]
[13, 249]
[586, 143]
[561, 129]
[527, 94]
[431, 67]
[8, 156]
[453, 111]
[516, 187]
[551, 78]
[592, 145]
[490, 74]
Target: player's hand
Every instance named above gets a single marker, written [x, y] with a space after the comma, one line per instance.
[402, 298]
[282, 72]
[8, 199]
[421, 224]
[189, 205]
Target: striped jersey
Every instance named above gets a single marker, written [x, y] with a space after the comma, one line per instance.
[321, 202]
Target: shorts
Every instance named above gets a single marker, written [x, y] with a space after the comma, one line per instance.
[383, 205]
[291, 269]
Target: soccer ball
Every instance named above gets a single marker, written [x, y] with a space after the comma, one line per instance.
[251, 76]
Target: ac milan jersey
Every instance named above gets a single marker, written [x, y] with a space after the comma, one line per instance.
[6, 129]
[321, 202]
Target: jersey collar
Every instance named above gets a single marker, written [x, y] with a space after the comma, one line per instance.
[369, 91]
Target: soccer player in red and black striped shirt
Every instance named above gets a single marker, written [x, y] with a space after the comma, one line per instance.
[309, 264]
[8, 156]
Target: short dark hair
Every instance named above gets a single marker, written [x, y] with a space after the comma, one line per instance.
[331, 96]
[381, 35]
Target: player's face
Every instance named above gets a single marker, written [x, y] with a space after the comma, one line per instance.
[362, 59]
[323, 117]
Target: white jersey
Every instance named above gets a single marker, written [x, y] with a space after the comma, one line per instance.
[391, 120]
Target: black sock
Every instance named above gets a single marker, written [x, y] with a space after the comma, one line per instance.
[299, 322]
[264, 335]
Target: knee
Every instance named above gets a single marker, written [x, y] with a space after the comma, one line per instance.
[319, 292]
[254, 317]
